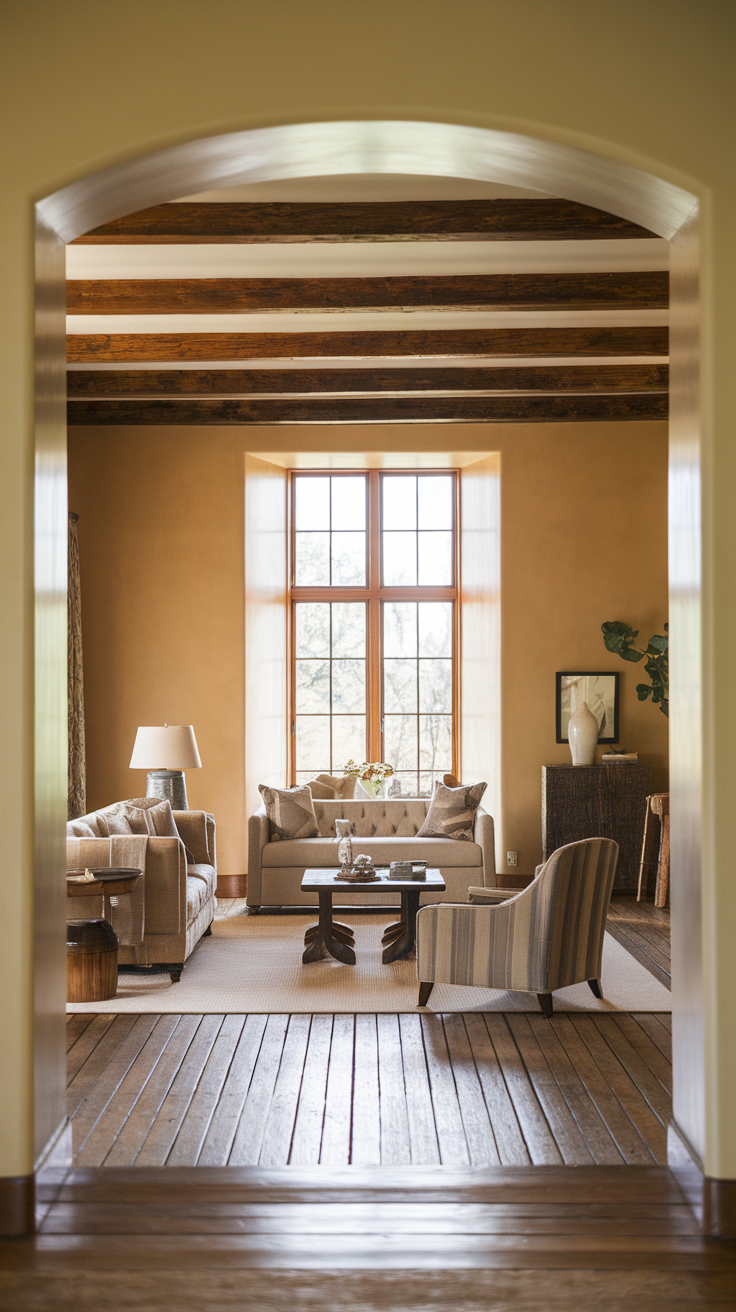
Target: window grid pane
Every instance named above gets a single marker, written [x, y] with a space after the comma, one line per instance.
[417, 537]
[417, 692]
[330, 537]
[414, 714]
[330, 690]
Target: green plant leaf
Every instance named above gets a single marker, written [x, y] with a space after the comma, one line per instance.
[657, 643]
[643, 691]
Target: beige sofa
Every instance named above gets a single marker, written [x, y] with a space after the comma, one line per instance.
[174, 903]
[385, 829]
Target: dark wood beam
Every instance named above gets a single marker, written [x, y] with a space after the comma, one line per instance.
[426, 409]
[82, 348]
[249, 382]
[452, 220]
[546, 291]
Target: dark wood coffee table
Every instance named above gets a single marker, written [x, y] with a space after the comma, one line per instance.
[331, 938]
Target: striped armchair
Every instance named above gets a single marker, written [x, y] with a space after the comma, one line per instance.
[544, 938]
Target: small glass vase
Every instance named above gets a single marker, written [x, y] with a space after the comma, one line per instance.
[376, 787]
[345, 854]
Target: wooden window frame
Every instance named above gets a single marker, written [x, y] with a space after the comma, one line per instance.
[374, 593]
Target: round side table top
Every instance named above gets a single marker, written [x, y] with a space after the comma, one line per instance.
[107, 880]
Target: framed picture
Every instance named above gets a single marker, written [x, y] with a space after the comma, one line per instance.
[599, 690]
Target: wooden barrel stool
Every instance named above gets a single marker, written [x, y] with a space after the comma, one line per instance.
[91, 961]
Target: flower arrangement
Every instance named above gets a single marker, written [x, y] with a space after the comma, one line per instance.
[372, 774]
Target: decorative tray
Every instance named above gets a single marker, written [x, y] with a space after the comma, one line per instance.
[103, 874]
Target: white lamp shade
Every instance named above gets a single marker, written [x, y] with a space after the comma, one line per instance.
[165, 747]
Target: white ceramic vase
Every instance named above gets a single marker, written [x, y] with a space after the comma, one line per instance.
[582, 731]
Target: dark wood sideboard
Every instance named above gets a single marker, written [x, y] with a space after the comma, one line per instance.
[597, 801]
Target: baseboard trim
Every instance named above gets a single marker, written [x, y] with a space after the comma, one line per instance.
[231, 885]
[719, 1208]
[17, 1205]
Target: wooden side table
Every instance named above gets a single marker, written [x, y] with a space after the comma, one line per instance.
[92, 945]
[597, 801]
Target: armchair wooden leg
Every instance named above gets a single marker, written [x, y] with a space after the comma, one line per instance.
[545, 1002]
[595, 987]
[424, 992]
[175, 972]
[208, 931]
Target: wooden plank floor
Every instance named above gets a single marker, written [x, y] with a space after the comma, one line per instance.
[644, 930]
[493, 1239]
[389, 1090]
[495, 1106]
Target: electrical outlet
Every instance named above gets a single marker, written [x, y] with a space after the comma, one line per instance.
[510, 858]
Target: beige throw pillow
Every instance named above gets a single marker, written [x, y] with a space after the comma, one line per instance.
[290, 812]
[80, 828]
[342, 785]
[452, 811]
[321, 792]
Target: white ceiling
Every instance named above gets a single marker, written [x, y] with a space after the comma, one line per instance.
[344, 187]
[366, 259]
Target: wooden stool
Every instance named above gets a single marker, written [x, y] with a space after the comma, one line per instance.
[655, 852]
[91, 961]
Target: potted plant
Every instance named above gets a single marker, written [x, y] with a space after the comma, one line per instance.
[619, 638]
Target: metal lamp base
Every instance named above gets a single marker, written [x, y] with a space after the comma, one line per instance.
[169, 785]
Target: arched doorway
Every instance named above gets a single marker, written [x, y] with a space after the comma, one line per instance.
[378, 147]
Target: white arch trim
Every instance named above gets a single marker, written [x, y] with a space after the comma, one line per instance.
[370, 146]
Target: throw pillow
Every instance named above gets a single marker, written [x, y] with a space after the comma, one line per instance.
[452, 811]
[159, 814]
[80, 829]
[290, 811]
[113, 822]
[342, 785]
[321, 792]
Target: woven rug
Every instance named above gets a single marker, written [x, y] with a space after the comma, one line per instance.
[254, 964]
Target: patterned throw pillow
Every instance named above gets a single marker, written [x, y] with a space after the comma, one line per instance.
[451, 812]
[290, 811]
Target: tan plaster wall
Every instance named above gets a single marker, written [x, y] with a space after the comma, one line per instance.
[583, 539]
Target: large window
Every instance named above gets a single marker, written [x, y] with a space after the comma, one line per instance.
[374, 625]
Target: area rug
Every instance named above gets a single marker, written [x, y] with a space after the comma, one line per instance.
[254, 964]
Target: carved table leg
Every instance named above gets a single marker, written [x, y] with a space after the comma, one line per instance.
[325, 943]
[342, 932]
[403, 944]
[393, 932]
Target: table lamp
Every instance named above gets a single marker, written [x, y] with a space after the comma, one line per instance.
[166, 751]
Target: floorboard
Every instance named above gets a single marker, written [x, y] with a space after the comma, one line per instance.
[644, 930]
[175, 1239]
[420, 1090]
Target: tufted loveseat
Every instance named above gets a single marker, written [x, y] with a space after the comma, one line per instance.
[385, 829]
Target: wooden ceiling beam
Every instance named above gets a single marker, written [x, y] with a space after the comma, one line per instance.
[84, 348]
[429, 409]
[460, 220]
[546, 291]
[83, 384]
